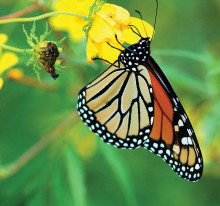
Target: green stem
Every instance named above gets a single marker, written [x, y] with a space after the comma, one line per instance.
[15, 49]
[9, 170]
[13, 20]
[27, 10]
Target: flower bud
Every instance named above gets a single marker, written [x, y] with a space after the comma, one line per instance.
[46, 54]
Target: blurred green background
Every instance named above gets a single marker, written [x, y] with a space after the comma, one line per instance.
[68, 165]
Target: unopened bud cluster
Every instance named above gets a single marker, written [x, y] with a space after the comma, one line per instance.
[46, 54]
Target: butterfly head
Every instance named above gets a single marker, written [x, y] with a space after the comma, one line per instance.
[136, 54]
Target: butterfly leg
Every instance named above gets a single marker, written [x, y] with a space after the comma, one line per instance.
[97, 58]
[124, 46]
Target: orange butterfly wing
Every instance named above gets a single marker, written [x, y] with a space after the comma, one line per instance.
[172, 126]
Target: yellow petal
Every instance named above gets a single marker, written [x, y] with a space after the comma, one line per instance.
[116, 17]
[122, 17]
[108, 19]
[119, 33]
[3, 39]
[131, 37]
[115, 43]
[7, 60]
[73, 25]
[72, 6]
[1, 83]
[108, 10]
[108, 22]
[76, 32]
[91, 51]
[100, 30]
[108, 53]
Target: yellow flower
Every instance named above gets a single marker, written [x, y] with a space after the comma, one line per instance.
[3, 39]
[15, 74]
[7, 59]
[74, 25]
[101, 27]
[109, 22]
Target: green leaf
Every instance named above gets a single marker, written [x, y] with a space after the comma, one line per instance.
[46, 33]
[185, 80]
[29, 39]
[121, 172]
[75, 177]
[60, 187]
[61, 41]
[211, 123]
[202, 58]
[36, 67]
[32, 34]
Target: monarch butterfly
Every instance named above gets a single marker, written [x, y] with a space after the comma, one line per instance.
[132, 105]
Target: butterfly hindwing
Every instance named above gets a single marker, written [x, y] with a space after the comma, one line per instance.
[182, 151]
[111, 106]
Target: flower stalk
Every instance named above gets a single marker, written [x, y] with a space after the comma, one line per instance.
[17, 75]
[43, 16]
[14, 49]
[23, 12]
[9, 170]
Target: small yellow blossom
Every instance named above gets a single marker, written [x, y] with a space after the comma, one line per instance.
[15, 74]
[7, 59]
[3, 39]
[74, 25]
[1, 82]
[109, 22]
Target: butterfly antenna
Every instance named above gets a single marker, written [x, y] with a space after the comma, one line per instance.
[155, 19]
[138, 32]
[142, 21]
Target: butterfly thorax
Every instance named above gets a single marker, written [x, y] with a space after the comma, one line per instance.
[135, 54]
